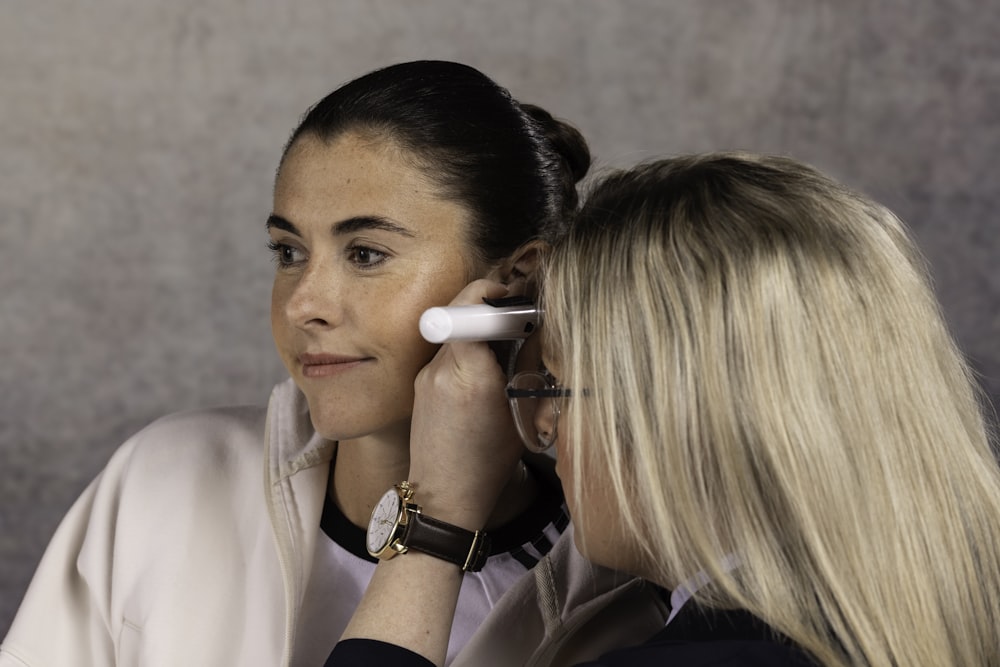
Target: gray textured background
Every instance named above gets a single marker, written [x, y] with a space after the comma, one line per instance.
[138, 142]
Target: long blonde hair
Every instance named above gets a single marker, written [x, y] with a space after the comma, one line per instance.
[769, 375]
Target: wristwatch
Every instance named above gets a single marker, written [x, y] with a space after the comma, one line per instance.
[398, 525]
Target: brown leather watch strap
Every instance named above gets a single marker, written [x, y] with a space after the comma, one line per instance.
[465, 548]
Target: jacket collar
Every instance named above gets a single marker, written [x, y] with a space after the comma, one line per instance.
[295, 475]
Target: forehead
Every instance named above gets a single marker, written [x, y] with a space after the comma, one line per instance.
[358, 174]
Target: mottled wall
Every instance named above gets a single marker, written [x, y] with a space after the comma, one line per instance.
[138, 142]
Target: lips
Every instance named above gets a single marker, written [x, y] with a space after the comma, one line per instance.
[325, 365]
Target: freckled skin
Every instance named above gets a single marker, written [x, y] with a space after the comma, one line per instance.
[361, 294]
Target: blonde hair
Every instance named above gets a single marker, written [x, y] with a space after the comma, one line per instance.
[769, 375]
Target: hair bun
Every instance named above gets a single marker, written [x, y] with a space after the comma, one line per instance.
[565, 139]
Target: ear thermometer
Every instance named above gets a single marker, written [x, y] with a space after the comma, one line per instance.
[480, 322]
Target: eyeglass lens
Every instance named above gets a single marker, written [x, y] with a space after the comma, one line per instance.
[530, 391]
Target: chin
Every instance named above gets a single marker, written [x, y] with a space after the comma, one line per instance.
[615, 554]
[350, 424]
[580, 546]
[334, 425]
[337, 429]
[587, 550]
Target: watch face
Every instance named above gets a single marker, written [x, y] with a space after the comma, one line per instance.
[383, 521]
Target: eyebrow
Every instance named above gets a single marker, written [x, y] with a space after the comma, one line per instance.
[362, 222]
[277, 222]
[348, 226]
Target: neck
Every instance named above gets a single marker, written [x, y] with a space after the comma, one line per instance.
[367, 467]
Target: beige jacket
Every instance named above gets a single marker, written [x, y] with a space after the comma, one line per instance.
[194, 545]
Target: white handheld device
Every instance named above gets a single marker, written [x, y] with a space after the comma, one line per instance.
[480, 322]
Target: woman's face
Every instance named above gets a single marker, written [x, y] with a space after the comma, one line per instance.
[596, 516]
[363, 244]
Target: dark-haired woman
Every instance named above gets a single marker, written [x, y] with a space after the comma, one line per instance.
[238, 536]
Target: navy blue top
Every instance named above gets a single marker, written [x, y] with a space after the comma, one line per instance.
[697, 637]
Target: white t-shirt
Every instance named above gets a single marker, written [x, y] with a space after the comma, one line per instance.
[342, 569]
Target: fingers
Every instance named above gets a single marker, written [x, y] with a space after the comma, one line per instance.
[477, 290]
[472, 362]
[463, 443]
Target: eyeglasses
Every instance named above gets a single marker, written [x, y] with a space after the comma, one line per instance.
[531, 391]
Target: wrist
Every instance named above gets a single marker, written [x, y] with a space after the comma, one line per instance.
[451, 507]
[400, 523]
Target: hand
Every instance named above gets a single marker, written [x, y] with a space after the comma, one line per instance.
[463, 443]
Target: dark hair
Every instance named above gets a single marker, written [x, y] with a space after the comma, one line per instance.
[512, 165]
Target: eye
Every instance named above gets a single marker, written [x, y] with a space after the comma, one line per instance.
[366, 257]
[285, 255]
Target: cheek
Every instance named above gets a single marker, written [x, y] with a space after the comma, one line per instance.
[278, 298]
[596, 513]
[279, 323]
[399, 310]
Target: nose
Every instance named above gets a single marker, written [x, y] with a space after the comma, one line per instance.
[313, 299]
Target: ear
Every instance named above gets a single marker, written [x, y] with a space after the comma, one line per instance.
[518, 270]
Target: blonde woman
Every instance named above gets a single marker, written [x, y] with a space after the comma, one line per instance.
[756, 405]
